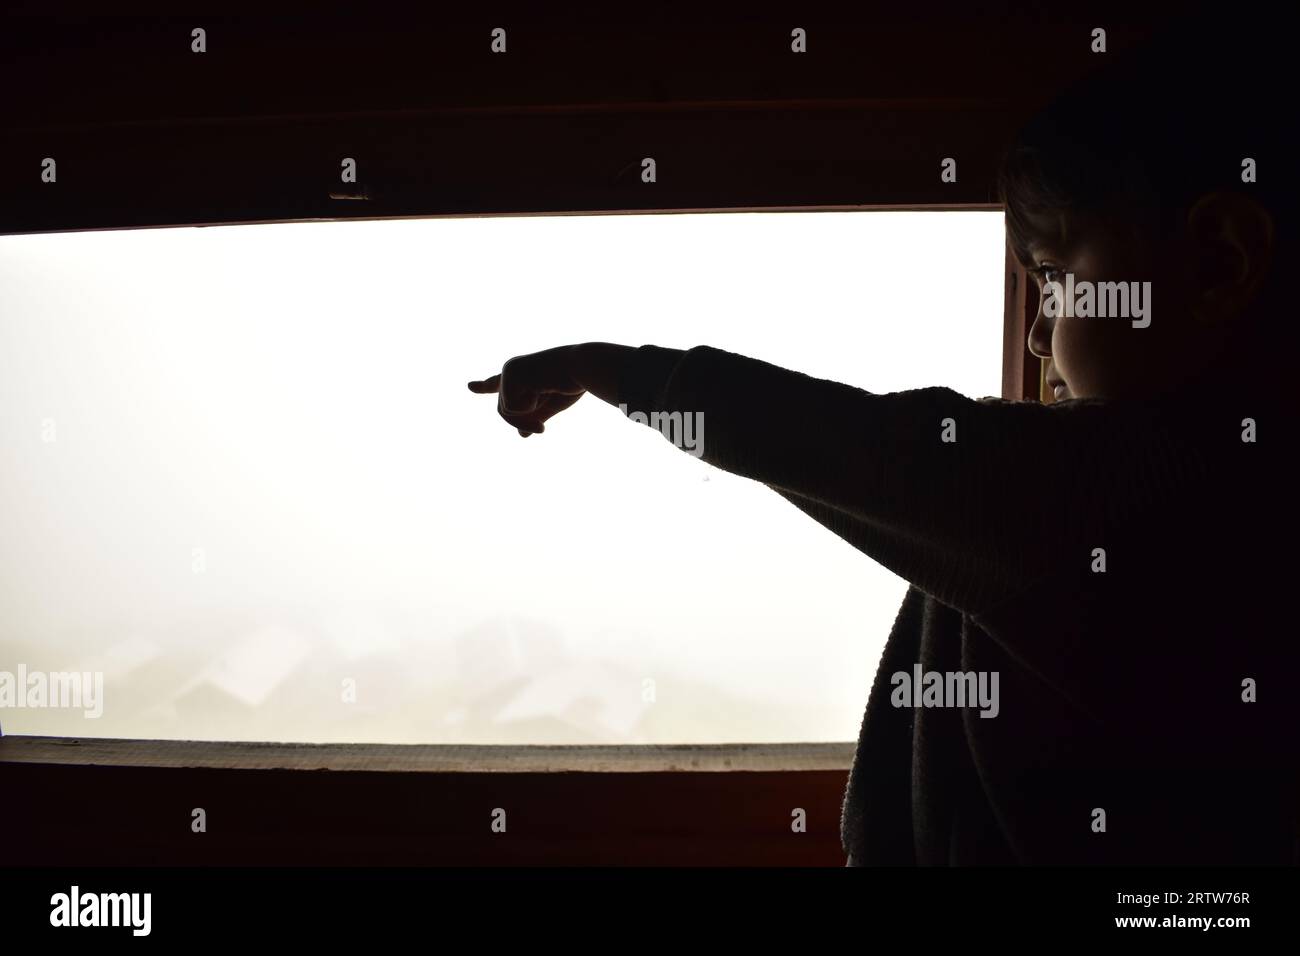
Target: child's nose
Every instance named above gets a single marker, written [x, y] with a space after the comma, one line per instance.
[1040, 336]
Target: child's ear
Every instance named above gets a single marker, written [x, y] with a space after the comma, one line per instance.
[1232, 246]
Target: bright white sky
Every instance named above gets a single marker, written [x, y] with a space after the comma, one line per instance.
[239, 469]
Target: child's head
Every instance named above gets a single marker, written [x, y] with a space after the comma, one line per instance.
[1137, 178]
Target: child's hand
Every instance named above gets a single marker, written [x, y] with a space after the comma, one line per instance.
[532, 388]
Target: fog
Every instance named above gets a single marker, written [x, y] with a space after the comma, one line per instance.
[241, 475]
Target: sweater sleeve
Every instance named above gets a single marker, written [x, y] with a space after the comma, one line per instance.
[970, 501]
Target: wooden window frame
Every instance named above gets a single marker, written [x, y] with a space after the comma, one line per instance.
[676, 805]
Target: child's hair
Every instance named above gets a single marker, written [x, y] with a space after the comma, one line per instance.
[1141, 140]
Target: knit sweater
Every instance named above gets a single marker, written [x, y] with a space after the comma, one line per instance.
[1109, 562]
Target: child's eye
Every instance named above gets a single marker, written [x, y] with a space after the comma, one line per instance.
[1048, 273]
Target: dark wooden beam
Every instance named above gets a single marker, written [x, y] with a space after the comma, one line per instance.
[147, 133]
[128, 803]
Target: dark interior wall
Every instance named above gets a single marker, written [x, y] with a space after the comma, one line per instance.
[146, 132]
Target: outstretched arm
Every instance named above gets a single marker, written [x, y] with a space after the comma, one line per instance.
[970, 501]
